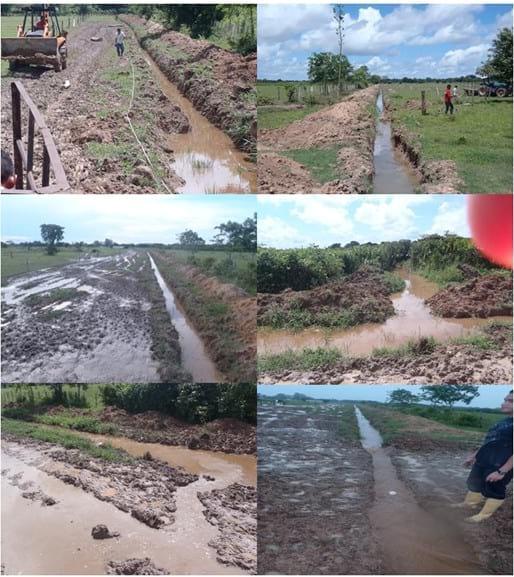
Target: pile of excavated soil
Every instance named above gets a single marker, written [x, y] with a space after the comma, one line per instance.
[233, 510]
[363, 294]
[144, 488]
[225, 435]
[484, 296]
[134, 566]
[219, 83]
[447, 363]
[349, 124]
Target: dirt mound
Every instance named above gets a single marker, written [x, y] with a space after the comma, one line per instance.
[134, 567]
[102, 532]
[362, 297]
[233, 510]
[224, 435]
[219, 83]
[349, 124]
[484, 296]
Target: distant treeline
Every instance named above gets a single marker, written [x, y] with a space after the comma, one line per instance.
[82, 246]
[66, 9]
[300, 269]
[405, 79]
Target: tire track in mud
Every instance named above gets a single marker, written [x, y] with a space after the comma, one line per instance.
[314, 491]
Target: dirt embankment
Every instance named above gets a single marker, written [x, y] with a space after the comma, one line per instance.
[233, 510]
[220, 84]
[446, 363]
[87, 120]
[483, 296]
[223, 314]
[362, 297]
[348, 125]
[225, 435]
[145, 489]
[314, 493]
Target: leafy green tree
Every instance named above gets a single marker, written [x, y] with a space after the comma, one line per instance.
[448, 395]
[190, 239]
[325, 67]
[360, 77]
[109, 243]
[402, 397]
[499, 62]
[239, 236]
[51, 235]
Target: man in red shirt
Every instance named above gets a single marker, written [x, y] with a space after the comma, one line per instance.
[448, 99]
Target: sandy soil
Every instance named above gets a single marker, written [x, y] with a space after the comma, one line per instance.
[363, 294]
[90, 114]
[446, 364]
[349, 124]
[483, 296]
[314, 492]
[102, 332]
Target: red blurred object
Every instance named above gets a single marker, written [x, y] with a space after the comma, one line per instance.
[490, 220]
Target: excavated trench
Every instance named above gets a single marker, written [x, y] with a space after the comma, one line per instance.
[194, 355]
[392, 174]
[204, 157]
[412, 320]
[412, 540]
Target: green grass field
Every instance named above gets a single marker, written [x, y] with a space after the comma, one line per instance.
[82, 395]
[478, 138]
[19, 260]
[238, 268]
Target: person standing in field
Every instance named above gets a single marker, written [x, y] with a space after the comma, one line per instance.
[120, 42]
[448, 99]
[491, 470]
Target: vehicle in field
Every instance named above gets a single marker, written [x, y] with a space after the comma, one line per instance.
[40, 40]
[493, 88]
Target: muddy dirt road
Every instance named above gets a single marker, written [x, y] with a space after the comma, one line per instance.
[314, 491]
[95, 320]
[88, 121]
[170, 514]
[348, 125]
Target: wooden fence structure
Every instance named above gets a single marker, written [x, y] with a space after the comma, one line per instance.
[24, 157]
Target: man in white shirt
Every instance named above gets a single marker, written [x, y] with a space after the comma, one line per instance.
[120, 42]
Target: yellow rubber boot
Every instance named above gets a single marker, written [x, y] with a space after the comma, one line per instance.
[490, 506]
[471, 499]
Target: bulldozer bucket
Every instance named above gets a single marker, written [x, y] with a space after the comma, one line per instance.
[28, 47]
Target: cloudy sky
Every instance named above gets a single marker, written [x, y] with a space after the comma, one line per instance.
[491, 396]
[415, 40]
[124, 218]
[297, 221]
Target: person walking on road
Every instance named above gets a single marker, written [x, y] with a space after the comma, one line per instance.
[491, 470]
[120, 42]
[448, 99]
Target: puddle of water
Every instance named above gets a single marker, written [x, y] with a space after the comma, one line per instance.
[205, 157]
[392, 175]
[194, 356]
[412, 320]
[412, 540]
[57, 540]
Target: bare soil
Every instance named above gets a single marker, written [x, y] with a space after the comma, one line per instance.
[363, 294]
[134, 566]
[483, 296]
[233, 510]
[220, 84]
[314, 492]
[349, 124]
[447, 363]
[90, 115]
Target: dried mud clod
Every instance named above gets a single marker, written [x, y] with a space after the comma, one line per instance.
[134, 566]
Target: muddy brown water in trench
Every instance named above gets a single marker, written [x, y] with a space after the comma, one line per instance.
[412, 540]
[392, 175]
[412, 319]
[57, 539]
[205, 157]
[194, 355]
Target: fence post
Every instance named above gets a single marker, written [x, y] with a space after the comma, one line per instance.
[46, 167]
[30, 144]
[423, 103]
[16, 132]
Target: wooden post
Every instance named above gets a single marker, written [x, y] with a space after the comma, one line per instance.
[46, 167]
[30, 144]
[16, 133]
[423, 103]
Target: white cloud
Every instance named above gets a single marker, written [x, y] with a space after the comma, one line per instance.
[275, 232]
[462, 60]
[450, 219]
[377, 65]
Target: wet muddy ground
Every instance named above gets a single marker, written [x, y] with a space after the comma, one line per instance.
[174, 517]
[314, 492]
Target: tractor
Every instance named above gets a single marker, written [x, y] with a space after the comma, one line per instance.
[40, 40]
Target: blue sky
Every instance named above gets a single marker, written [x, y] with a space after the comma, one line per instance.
[416, 40]
[491, 396]
[287, 221]
[124, 218]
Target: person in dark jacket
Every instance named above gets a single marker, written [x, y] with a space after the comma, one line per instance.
[491, 468]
